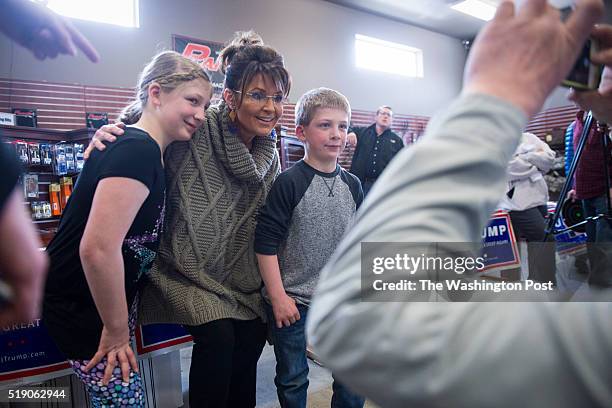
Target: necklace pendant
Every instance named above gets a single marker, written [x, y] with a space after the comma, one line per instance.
[330, 189]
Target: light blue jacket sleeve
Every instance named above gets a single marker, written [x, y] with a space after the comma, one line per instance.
[569, 146]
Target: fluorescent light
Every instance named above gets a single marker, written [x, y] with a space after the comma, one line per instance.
[476, 8]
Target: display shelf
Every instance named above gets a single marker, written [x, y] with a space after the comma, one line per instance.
[46, 220]
[45, 174]
[39, 134]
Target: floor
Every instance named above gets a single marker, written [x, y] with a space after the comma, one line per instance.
[319, 390]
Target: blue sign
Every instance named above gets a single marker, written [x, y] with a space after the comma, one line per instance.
[158, 337]
[568, 242]
[498, 243]
[26, 350]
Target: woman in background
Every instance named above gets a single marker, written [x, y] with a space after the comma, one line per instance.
[526, 201]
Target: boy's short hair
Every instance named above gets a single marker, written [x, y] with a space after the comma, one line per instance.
[317, 98]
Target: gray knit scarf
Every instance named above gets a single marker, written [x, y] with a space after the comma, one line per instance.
[206, 268]
[232, 152]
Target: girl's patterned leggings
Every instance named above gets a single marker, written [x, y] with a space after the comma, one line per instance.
[117, 393]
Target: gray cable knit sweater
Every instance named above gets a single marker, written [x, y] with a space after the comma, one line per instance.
[206, 267]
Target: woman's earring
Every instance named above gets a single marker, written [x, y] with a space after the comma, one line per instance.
[232, 125]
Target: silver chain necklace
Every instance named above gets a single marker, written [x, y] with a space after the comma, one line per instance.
[330, 189]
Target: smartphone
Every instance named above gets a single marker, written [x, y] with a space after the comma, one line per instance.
[584, 75]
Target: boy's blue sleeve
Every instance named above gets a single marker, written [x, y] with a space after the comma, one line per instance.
[275, 216]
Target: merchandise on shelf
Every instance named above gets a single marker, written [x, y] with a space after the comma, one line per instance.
[46, 208]
[96, 120]
[25, 117]
[65, 191]
[34, 151]
[41, 210]
[46, 154]
[38, 151]
[37, 210]
[54, 199]
[60, 167]
[30, 185]
[21, 148]
[79, 159]
[70, 164]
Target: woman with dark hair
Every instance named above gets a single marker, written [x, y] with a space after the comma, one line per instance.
[206, 275]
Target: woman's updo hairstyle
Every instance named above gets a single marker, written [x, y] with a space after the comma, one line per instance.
[169, 69]
[241, 38]
[245, 60]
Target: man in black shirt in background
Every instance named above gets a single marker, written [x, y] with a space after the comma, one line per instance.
[375, 145]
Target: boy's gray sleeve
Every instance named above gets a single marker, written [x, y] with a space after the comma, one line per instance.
[454, 354]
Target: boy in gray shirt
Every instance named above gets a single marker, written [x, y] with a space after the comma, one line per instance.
[304, 218]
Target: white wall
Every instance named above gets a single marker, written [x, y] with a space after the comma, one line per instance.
[557, 98]
[316, 38]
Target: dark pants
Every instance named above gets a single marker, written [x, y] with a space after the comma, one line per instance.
[224, 363]
[599, 242]
[292, 366]
[529, 225]
[600, 230]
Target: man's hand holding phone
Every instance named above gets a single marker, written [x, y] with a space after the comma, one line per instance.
[600, 100]
[585, 73]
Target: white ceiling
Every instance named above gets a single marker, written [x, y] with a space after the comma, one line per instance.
[435, 15]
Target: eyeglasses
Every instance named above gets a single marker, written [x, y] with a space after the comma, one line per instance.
[260, 98]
